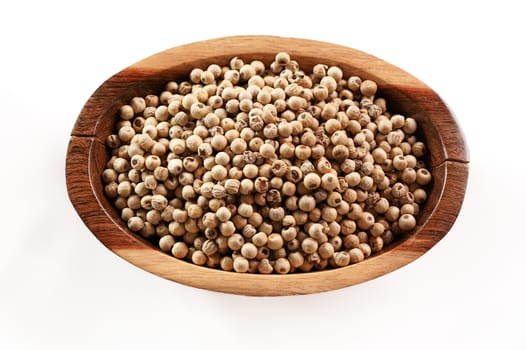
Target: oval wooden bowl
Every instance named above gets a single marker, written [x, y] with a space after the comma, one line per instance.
[86, 158]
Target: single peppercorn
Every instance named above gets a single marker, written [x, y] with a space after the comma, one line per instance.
[356, 255]
[419, 195]
[259, 239]
[223, 214]
[342, 258]
[249, 250]
[179, 250]
[274, 241]
[235, 241]
[306, 203]
[240, 264]
[406, 222]
[329, 182]
[309, 245]
[282, 58]
[312, 181]
[368, 88]
[282, 266]
[423, 176]
[326, 250]
[227, 228]
[276, 214]
[376, 244]
[135, 224]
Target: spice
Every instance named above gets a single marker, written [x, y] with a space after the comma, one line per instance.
[406, 222]
[309, 245]
[282, 266]
[368, 88]
[235, 242]
[423, 176]
[275, 241]
[180, 250]
[326, 250]
[249, 250]
[312, 181]
[240, 264]
[282, 58]
[266, 150]
[223, 214]
[259, 239]
[356, 255]
[329, 182]
[342, 258]
[266, 169]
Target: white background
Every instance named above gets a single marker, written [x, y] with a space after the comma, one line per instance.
[60, 288]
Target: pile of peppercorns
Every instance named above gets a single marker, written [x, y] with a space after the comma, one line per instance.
[266, 169]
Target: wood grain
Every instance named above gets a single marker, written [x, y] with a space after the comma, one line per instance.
[405, 94]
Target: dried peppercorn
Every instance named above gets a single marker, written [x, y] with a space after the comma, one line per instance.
[266, 169]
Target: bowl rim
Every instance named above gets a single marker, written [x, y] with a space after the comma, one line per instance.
[87, 142]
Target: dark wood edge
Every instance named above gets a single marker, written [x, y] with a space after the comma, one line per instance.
[82, 194]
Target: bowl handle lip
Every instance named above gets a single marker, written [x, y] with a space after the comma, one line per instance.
[461, 148]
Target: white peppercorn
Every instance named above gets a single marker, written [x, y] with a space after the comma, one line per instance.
[135, 224]
[220, 153]
[166, 243]
[423, 176]
[342, 258]
[179, 250]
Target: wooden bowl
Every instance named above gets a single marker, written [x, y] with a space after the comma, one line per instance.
[86, 158]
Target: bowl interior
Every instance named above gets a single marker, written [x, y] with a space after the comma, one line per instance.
[398, 101]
